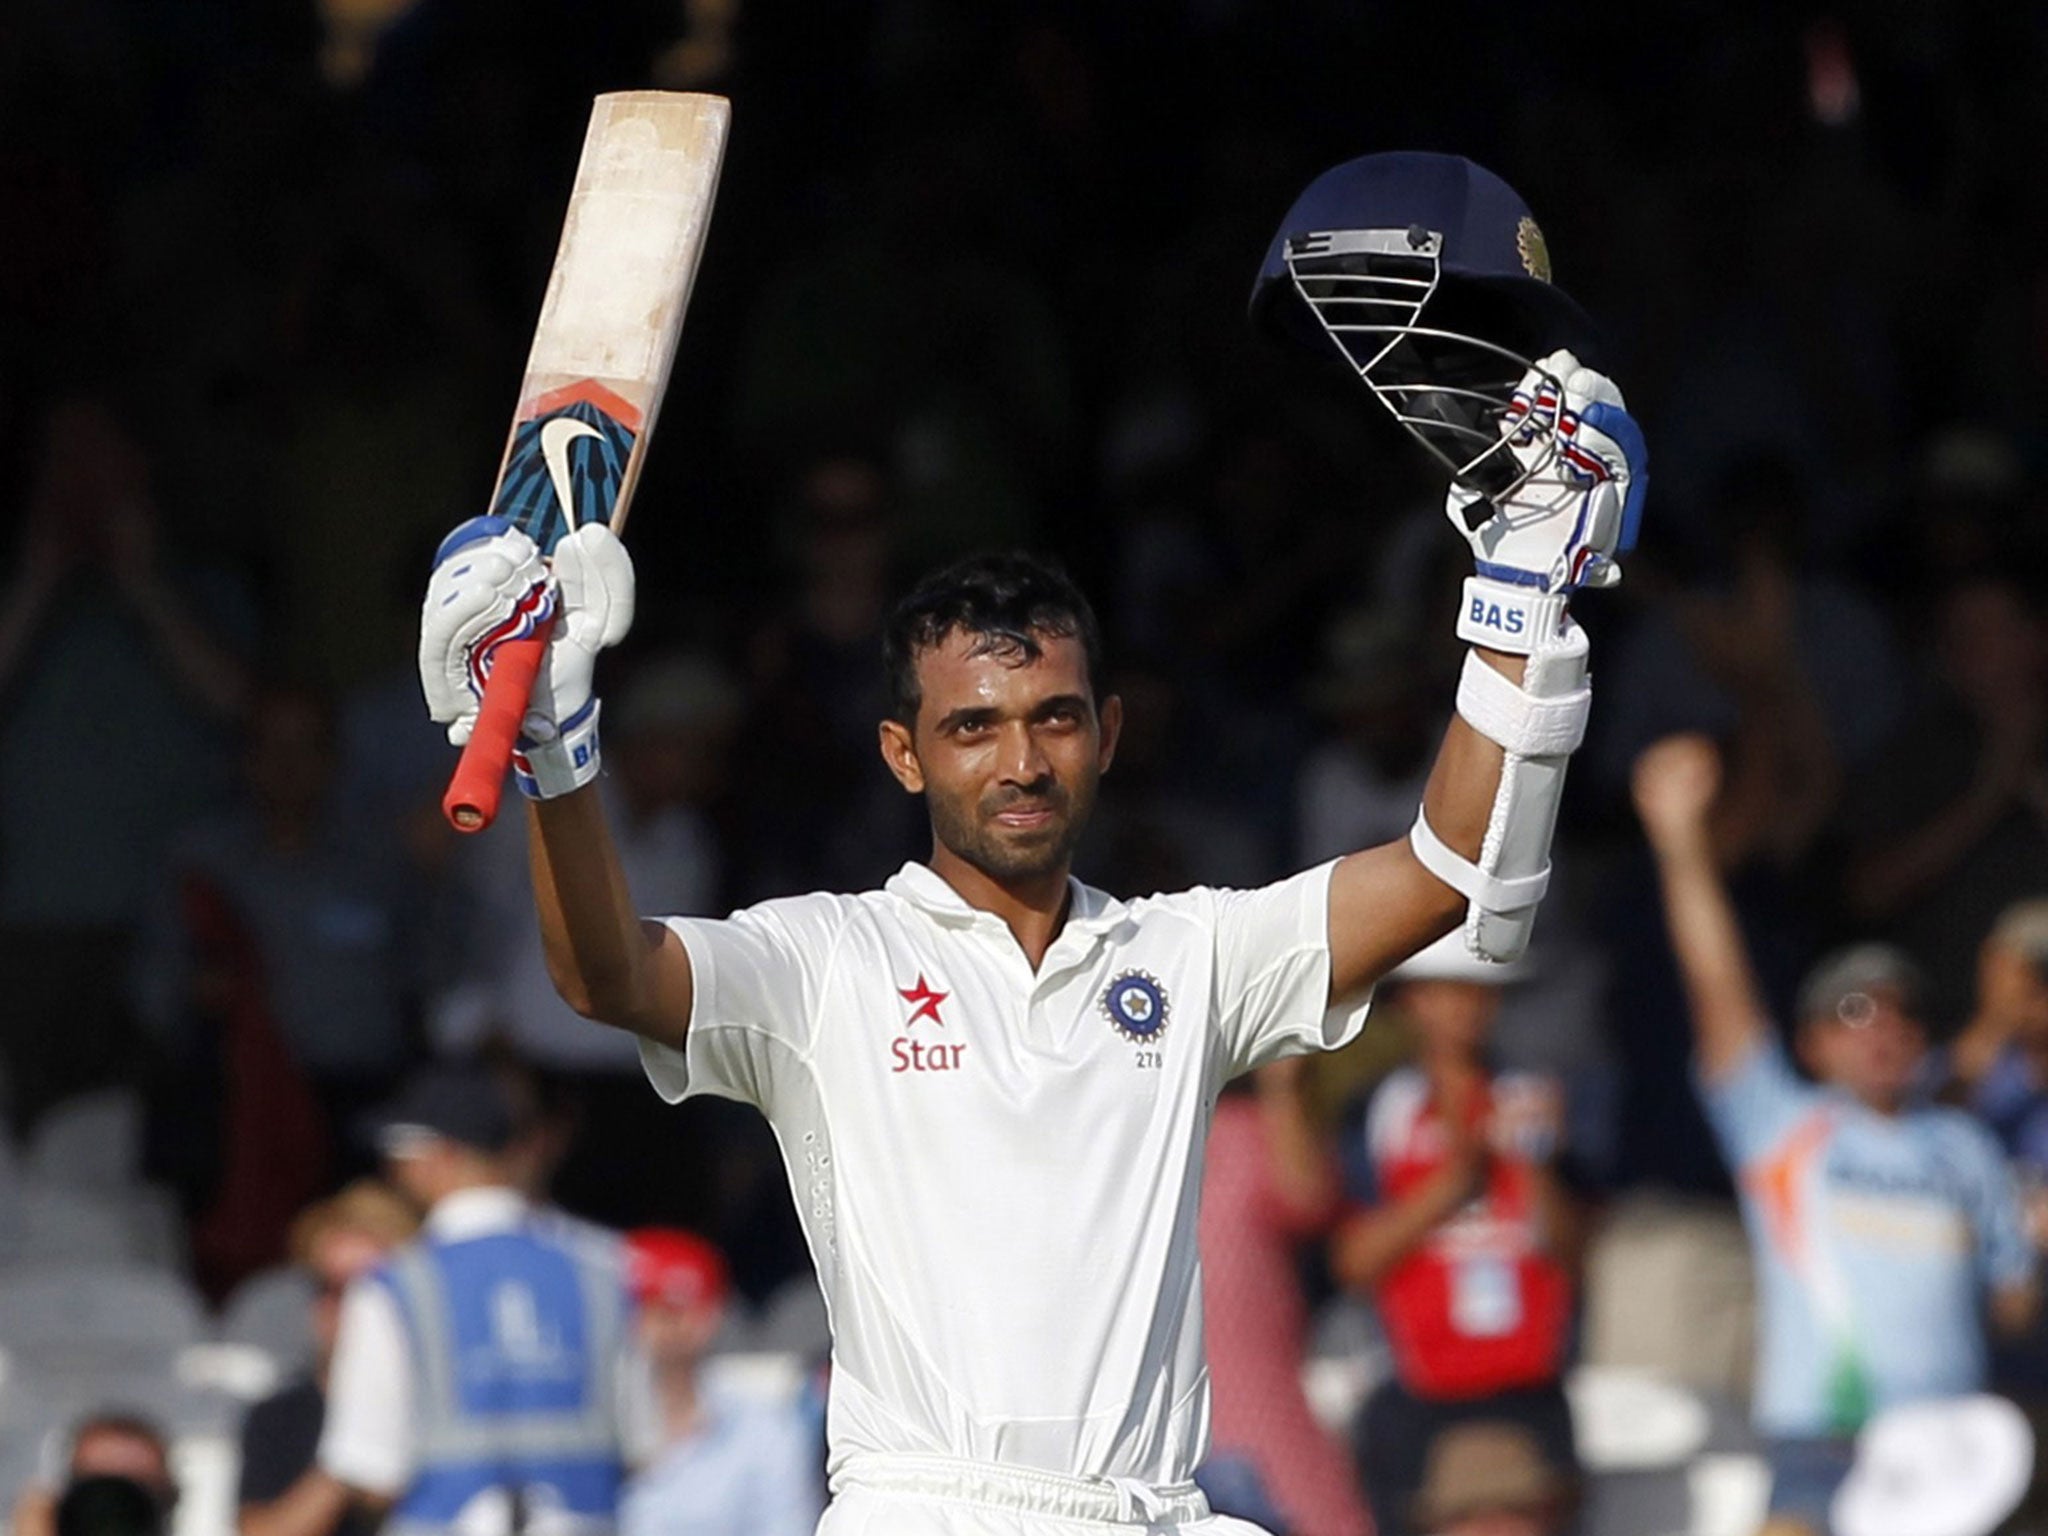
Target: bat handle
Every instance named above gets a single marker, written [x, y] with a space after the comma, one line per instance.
[471, 803]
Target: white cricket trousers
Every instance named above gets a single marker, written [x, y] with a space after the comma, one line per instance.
[943, 1496]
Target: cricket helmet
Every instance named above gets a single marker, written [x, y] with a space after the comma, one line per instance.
[1428, 277]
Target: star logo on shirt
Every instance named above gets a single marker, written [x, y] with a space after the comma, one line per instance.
[926, 999]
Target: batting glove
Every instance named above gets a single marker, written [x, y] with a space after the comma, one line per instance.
[1579, 506]
[490, 584]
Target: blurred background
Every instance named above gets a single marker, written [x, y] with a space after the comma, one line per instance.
[268, 269]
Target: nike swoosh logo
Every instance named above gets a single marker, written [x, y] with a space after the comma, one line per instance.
[555, 438]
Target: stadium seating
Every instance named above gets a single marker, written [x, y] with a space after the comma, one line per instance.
[271, 1310]
[92, 1141]
[59, 1316]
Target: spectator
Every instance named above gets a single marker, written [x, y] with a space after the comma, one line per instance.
[2001, 1060]
[122, 662]
[482, 1378]
[320, 902]
[725, 1466]
[1879, 1224]
[1954, 827]
[1492, 1479]
[1269, 1184]
[2002, 1056]
[283, 1492]
[1466, 1236]
[115, 1481]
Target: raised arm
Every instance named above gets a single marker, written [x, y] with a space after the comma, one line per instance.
[1385, 904]
[608, 963]
[1675, 784]
[490, 585]
[1480, 849]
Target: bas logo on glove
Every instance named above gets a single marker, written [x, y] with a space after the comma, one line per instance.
[1508, 620]
[594, 380]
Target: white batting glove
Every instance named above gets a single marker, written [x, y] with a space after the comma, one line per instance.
[1563, 527]
[491, 585]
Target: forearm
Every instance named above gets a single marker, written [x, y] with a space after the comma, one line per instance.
[312, 1506]
[205, 669]
[600, 955]
[1465, 779]
[1882, 881]
[1298, 1161]
[1779, 775]
[1372, 1244]
[1721, 993]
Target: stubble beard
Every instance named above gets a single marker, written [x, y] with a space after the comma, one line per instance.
[968, 831]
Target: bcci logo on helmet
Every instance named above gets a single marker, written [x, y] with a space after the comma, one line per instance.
[1533, 249]
[1135, 1004]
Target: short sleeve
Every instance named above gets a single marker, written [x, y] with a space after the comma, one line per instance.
[366, 1440]
[754, 980]
[1272, 956]
[1752, 1107]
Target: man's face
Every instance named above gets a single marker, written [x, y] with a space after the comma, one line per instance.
[1451, 1018]
[2014, 990]
[338, 1257]
[1872, 1045]
[678, 1334]
[422, 1169]
[1006, 752]
[105, 1451]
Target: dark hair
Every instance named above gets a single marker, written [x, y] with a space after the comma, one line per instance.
[110, 1506]
[1008, 601]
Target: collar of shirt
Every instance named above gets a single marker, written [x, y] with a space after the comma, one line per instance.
[1090, 913]
[477, 1213]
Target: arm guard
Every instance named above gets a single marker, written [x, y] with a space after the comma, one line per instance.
[1537, 726]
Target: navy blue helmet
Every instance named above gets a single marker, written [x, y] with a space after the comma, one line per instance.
[1427, 275]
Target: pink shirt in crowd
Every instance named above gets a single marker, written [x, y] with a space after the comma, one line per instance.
[1256, 1330]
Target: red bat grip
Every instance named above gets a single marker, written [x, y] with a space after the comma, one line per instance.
[471, 803]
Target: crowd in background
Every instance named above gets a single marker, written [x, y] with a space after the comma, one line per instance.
[977, 277]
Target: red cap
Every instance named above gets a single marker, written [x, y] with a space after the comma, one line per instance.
[674, 1267]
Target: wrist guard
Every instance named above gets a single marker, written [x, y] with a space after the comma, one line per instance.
[1537, 726]
[545, 769]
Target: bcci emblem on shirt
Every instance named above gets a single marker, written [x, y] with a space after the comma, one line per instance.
[1135, 1004]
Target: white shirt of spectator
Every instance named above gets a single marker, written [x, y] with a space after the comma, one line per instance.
[998, 1171]
[366, 1438]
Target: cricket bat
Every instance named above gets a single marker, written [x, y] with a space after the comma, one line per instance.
[600, 362]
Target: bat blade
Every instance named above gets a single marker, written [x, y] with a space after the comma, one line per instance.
[602, 350]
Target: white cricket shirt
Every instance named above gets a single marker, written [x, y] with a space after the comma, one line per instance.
[998, 1171]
